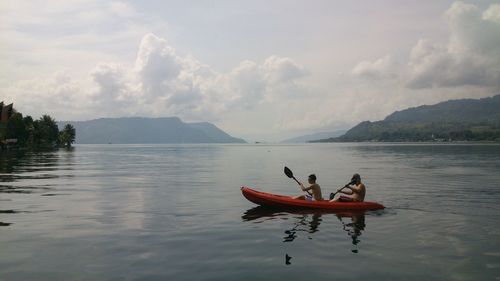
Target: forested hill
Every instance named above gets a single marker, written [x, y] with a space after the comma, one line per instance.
[140, 130]
[463, 111]
[454, 120]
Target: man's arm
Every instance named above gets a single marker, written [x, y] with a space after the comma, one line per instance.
[356, 189]
[305, 188]
[347, 192]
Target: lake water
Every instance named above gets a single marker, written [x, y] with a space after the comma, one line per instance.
[175, 212]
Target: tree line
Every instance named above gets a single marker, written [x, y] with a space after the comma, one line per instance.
[42, 133]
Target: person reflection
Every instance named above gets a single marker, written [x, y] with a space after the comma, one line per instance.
[312, 225]
[354, 228]
[315, 222]
[310, 222]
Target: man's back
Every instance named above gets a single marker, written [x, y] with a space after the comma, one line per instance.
[316, 192]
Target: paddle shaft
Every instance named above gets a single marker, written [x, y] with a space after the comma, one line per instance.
[339, 190]
[345, 186]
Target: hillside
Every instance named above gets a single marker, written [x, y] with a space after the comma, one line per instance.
[147, 130]
[454, 120]
[315, 136]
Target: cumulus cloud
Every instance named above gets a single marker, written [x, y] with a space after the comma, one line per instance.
[114, 88]
[384, 67]
[161, 83]
[493, 13]
[471, 57]
[108, 74]
[156, 64]
[282, 70]
[59, 93]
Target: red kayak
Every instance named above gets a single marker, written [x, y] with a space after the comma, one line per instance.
[274, 200]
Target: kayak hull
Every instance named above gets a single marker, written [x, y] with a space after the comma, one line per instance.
[282, 201]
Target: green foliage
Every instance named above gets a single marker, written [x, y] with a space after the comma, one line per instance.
[46, 132]
[67, 136]
[409, 132]
[37, 134]
[16, 129]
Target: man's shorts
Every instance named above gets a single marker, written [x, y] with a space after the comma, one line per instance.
[309, 197]
[345, 199]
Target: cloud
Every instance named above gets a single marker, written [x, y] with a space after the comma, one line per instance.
[471, 57]
[492, 13]
[282, 70]
[384, 67]
[93, 59]
[59, 93]
[157, 64]
[114, 89]
[123, 9]
[162, 83]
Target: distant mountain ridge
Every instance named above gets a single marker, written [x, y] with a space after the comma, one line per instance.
[315, 136]
[485, 110]
[135, 130]
[454, 120]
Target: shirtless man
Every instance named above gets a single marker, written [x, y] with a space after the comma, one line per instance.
[356, 189]
[314, 187]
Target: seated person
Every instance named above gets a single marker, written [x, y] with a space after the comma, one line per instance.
[356, 189]
[315, 189]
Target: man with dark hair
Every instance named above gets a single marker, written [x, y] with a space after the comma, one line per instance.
[315, 189]
[355, 188]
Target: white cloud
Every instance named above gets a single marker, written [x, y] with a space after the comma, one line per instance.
[492, 13]
[114, 89]
[163, 83]
[384, 67]
[471, 57]
[123, 9]
[59, 93]
[90, 59]
[282, 70]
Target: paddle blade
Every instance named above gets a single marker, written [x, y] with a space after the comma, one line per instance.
[288, 172]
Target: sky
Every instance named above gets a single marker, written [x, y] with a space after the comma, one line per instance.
[259, 70]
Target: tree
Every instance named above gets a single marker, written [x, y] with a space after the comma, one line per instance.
[67, 136]
[16, 128]
[46, 132]
[28, 124]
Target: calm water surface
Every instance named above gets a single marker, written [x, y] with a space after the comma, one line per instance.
[175, 212]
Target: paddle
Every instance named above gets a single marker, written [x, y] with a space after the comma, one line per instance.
[332, 195]
[289, 174]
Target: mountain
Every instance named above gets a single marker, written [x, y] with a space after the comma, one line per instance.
[147, 130]
[485, 110]
[315, 136]
[454, 120]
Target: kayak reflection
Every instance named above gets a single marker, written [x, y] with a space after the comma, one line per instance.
[308, 221]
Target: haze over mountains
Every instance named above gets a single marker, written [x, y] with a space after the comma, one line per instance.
[314, 136]
[454, 120]
[138, 130]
